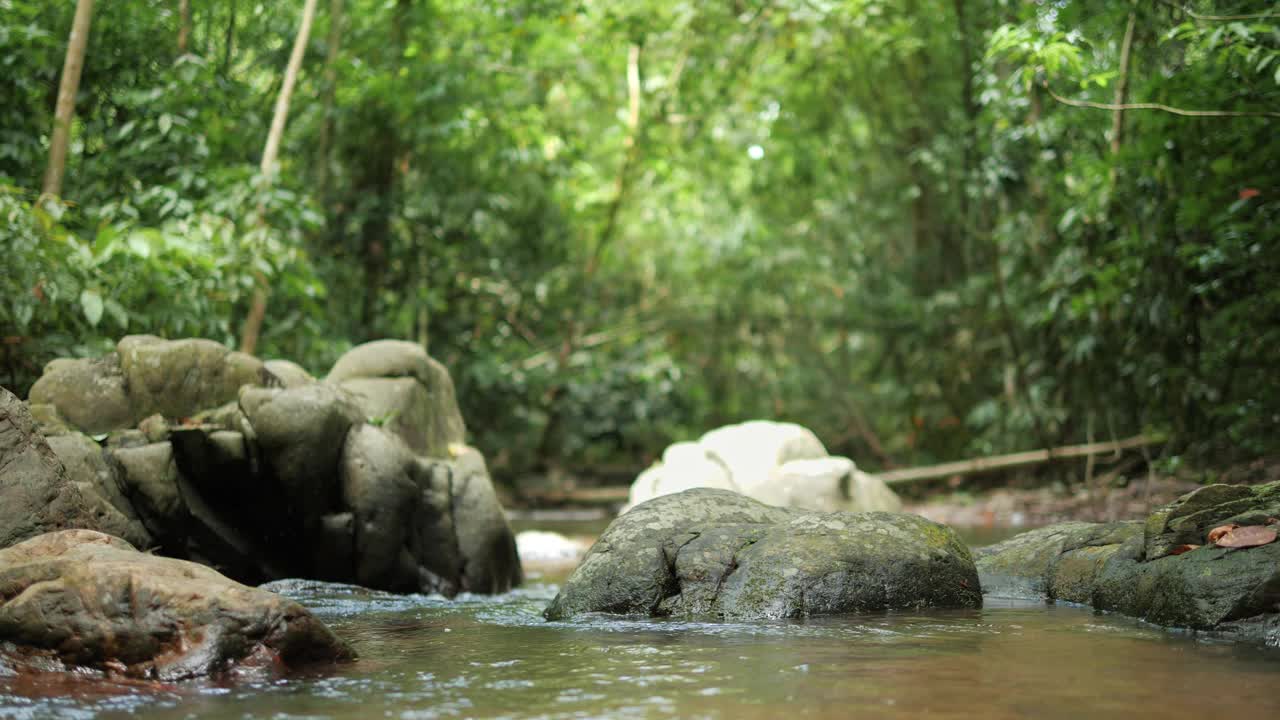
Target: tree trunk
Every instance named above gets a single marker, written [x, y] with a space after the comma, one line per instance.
[1122, 85]
[230, 41]
[65, 110]
[184, 26]
[258, 310]
[272, 149]
[330, 88]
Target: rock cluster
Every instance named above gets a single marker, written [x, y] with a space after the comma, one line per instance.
[1164, 570]
[258, 469]
[716, 553]
[776, 463]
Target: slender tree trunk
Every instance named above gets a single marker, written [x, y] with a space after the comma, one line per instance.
[258, 310]
[230, 41]
[272, 149]
[576, 325]
[330, 89]
[1122, 93]
[391, 159]
[184, 26]
[66, 108]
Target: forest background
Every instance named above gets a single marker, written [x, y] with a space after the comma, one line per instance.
[926, 229]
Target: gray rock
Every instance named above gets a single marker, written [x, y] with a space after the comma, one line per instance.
[1024, 566]
[98, 477]
[151, 481]
[1130, 567]
[35, 495]
[714, 552]
[145, 376]
[89, 393]
[400, 359]
[484, 538]
[288, 373]
[300, 433]
[403, 407]
[84, 599]
[178, 378]
[383, 499]
[263, 473]
[420, 524]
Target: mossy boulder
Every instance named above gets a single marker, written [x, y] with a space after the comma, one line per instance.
[1163, 569]
[717, 553]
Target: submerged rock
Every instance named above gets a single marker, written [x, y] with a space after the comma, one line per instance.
[1163, 570]
[209, 456]
[92, 600]
[780, 464]
[714, 552]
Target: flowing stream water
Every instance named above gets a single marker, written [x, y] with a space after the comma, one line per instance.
[490, 657]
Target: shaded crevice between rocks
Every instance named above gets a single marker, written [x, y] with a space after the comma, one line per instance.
[463, 584]
[670, 586]
[733, 565]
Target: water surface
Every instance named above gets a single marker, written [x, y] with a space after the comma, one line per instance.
[490, 657]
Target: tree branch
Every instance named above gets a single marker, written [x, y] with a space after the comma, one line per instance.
[1218, 18]
[1157, 106]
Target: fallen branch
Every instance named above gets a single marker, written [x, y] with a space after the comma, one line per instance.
[1022, 459]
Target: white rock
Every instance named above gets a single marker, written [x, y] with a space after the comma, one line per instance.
[776, 463]
[540, 546]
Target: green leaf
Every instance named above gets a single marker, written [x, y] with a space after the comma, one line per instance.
[91, 303]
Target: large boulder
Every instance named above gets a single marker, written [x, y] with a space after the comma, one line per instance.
[89, 393]
[424, 411]
[717, 553]
[146, 375]
[300, 433]
[36, 496]
[86, 599]
[264, 473]
[776, 463]
[99, 478]
[1163, 570]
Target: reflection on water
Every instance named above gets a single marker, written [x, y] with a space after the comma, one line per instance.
[427, 657]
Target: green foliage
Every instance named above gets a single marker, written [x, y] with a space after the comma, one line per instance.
[882, 220]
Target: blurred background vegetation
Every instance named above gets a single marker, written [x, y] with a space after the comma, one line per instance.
[927, 229]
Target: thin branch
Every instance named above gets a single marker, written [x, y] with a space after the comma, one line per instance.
[1219, 18]
[1157, 106]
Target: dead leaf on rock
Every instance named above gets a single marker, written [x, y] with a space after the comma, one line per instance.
[1221, 530]
[1183, 549]
[1247, 536]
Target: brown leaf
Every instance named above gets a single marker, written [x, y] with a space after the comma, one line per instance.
[1221, 530]
[1247, 536]
[1271, 521]
[1183, 549]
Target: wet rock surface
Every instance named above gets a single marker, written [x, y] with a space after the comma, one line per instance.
[78, 598]
[1163, 570]
[707, 552]
[206, 455]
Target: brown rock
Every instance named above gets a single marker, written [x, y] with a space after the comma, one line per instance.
[93, 600]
